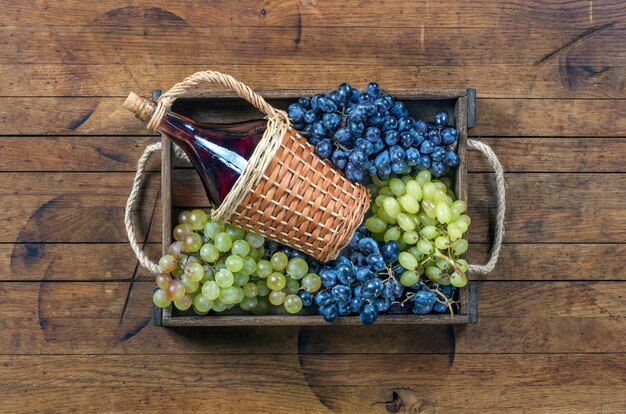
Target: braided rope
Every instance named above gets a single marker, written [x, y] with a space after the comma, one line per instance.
[501, 202]
[130, 205]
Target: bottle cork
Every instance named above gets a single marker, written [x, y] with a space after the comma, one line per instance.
[142, 108]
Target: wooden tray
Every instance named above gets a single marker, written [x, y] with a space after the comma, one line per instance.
[210, 106]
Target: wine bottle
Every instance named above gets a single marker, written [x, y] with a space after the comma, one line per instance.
[219, 152]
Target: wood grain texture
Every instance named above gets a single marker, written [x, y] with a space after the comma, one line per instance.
[472, 13]
[555, 78]
[180, 44]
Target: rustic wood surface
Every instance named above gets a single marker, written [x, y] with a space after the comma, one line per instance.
[75, 327]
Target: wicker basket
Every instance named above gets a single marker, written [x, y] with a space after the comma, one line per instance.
[286, 192]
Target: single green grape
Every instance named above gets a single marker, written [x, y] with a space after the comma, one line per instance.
[433, 272]
[240, 248]
[297, 268]
[429, 208]
[397, 187]
[250, 290]
[190, 285]
[426, 220]
[209, 253]
[442, 210]
[386, 191]
[175, 290]
[454, 230]
[386, 217]
[458, 207]
[414, 190]
[228, 295]
[405, 222]
[423, 177]
[264, 268]
[218, 306]
[311, 283]
[392, 233]
[234, 263]
[192, 242]
[442, 242]
[375, 224]
[407, 260]
[163, 280]
[409, 278]
[254, 240]
[410, 237]
[248, 303]
[279, 261]
[416, 253]
[240, 279]
[424, 246]
[182, 231]
[465, 218]
[264, 290]
[183, 217]
[292, 286]
[201, 303]
[184, 303]
[442, 264]
[276, 281]
[263, 306]
[463, 226]
[194, 271]
[428, 191]
[440, 197]
[380, 200]
[235, 232]
[429, 232]
[459, 247]
[458, 280]
[409, 204]
[462, 265]
[224, 278]
[168, 263]
[212, 229]
[223, 242]
[293, 304]
[176, 250]
[392, 207]
[197, 219]
[211, 290]
[277, 297]
[249, 266]
[160, 298]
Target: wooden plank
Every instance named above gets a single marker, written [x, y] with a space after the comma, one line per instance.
[434, 45]
[93, 262]
[69, 262]
[110, 153]
[88, 207]
[553, 79]
[326, 370]
[133, 398]
[86, 318]
[496, 117]
[143, 13]
[475, 399]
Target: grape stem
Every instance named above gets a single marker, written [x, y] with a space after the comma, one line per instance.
[449, 260]
[445, 301]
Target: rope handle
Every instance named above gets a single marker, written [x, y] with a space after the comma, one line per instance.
[486, 150]
[166, 100]
[472, 144]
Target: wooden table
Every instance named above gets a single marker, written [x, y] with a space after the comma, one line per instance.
[76, 334]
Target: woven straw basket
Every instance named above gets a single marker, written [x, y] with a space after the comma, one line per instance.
[285, 192]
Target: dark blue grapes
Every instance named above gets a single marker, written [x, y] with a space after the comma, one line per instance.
[368, 133]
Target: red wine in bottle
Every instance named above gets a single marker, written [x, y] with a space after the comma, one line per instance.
[219, 152]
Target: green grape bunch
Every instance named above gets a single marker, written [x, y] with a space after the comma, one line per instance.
[423, 216]
[212, 267]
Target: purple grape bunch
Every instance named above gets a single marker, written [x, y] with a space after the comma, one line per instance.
[366, 133]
